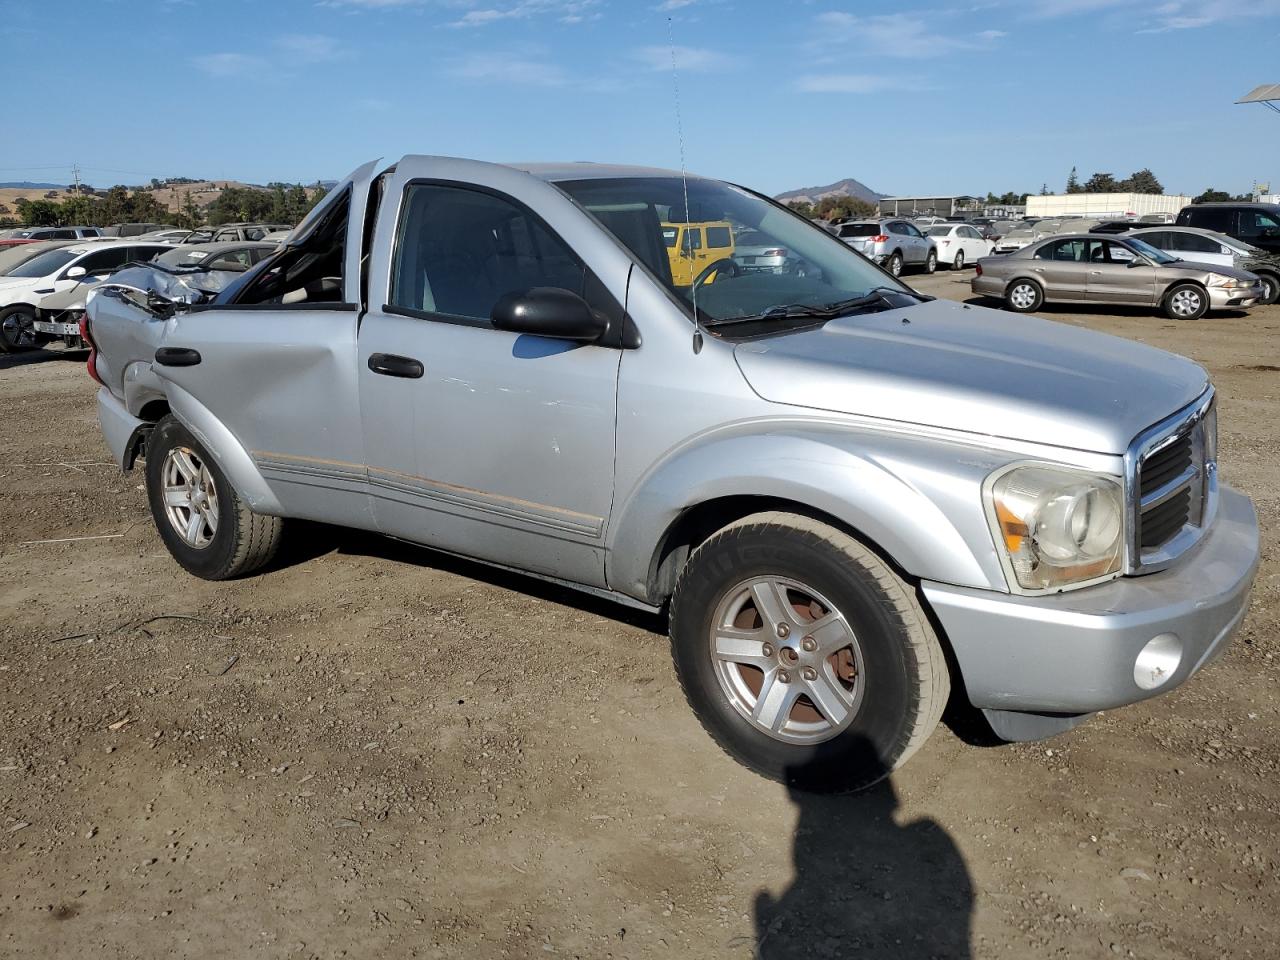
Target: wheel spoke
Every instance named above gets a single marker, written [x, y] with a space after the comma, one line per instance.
[775, 702]
[195, 527]
[177, 497]
[831, 632]
[182, 460]
[741, 646]
[771, 602]
[831, 699]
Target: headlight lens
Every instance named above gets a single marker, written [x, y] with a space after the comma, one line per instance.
[1057, 527]
[1227, 283]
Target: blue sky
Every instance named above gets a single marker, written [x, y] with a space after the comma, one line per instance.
[909, 97]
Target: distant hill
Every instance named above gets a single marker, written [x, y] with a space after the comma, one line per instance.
[846, 188]
[28, 185]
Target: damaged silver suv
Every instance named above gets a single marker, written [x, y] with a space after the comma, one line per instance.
[849, 497]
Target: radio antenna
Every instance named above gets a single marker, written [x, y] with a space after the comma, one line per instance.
[684, 182]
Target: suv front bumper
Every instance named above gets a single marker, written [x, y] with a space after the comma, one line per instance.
[1077, 652]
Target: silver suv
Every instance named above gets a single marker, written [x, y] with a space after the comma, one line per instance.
[894, 244]
[845, 496]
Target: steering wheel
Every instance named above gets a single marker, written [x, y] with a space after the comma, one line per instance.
[716, 267]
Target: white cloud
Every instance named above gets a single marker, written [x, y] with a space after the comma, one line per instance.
[895, 35]
[566, 11]
[309, 47]
[854, 83]
[668, 5]
[229, 64]
[1184, 15]
[688, 59]
[507, 69]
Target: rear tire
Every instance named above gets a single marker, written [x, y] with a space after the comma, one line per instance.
[958, 262]
[1024, 296]
[834, 710]
[1186, 301]
[201, 518]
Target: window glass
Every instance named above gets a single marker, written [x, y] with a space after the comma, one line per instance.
[1115, 253]
[719, 237]
[1072, 250]
[692, 240]
[314, 270]
[942, 231]
[254, 233]
[911, 231]
[458, 251]
[1211, 218]
[1258, 223]
[46, 263]
[669, 235]
[859, 229]
[1161, 240]
[1190, 242]
[105, 261]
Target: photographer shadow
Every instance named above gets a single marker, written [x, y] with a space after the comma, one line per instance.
[867, 886]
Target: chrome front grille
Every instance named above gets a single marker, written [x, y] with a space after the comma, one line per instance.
[1172, 485]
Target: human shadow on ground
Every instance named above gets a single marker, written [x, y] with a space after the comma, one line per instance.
[867, 886]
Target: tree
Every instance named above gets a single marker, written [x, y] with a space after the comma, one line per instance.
[40, 213]
[1144, 181]
[1212, 196]
[1044, 190]
[190, 216]
[79, 209]
[1073, 182]
[1102, 183]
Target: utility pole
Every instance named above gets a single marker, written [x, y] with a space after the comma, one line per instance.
[75, 175]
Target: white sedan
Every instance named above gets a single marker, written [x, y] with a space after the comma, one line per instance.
[959, 244]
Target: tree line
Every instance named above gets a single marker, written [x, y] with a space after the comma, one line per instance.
[278, 203]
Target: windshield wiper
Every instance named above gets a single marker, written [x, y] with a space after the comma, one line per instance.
[807, 311]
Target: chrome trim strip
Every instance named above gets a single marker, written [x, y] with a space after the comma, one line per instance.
[1145, 443]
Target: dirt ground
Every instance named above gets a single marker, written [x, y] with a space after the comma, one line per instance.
[374, 751]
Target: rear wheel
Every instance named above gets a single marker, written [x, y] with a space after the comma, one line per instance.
[1186, 301]
[1024, 296]
[17, 329]
[804, 655]
[958, 262]
[208, 529]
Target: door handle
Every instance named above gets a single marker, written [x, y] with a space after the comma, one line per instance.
[390, 365]
[177, 357]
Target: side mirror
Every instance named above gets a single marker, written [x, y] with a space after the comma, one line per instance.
[1136, 262]
[74, 273]
[548, 312]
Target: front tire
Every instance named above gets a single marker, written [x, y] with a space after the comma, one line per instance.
[205, 524]
[803, 655]
[1024, 296]
[1270, 288]
[958, 262]
[931, 262]
[17, 330]
[1186, 301]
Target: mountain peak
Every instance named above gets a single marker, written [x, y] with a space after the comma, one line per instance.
[847, 187]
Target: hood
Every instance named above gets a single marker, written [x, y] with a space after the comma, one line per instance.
[958, 367]
[1222, 270]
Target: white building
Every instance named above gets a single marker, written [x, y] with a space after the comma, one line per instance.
[1103, 206]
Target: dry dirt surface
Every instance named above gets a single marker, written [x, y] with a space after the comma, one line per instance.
[373, 751]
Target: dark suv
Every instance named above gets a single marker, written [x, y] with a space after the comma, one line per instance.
[1257, 224]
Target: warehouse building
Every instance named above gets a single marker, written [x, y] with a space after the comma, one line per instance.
[928, 206]
[1103, 206]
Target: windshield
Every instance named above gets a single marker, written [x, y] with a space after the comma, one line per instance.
[48, 262]
[817, 269]
[182, 256]
[1150, 252]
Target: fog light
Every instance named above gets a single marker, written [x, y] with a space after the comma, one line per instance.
[1158, 661]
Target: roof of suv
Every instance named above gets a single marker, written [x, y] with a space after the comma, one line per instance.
[1249, 204]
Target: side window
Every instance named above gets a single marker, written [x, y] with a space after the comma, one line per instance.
[459, 250]
[254, 233]
[1116, 253]
[911, 231]
[1212, 218]
[1162, 240]
[894, 227]
[1258, 223]
[719, 237]
[1064, 250]
[104, 261]
[669, 235]
[692, 240]
[1196, 243]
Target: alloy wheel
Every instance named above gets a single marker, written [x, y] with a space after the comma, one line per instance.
[18, 330]
[190, 497]
[1023, 296]
[787, 660]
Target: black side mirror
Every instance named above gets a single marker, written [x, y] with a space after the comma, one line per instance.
[548, 312]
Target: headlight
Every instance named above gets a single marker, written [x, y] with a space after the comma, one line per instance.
[1226, 283]
[1057, 527]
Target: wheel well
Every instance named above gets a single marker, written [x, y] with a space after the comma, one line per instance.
[154, 410]
[151, 413]
[1183, 283]
[698, 523]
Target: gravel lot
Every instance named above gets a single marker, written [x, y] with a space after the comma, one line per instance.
[374, 751]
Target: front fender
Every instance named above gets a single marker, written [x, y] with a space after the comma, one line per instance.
[227, 452]
[917, 499]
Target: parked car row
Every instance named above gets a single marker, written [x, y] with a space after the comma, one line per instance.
[44, 285]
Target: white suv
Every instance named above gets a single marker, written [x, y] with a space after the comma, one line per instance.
[55, 271]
